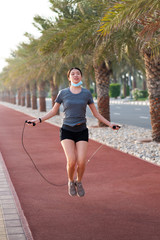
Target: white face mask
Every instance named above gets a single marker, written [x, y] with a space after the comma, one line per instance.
[76, 84]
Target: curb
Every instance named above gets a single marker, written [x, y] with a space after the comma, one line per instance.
[126, 101]
[144, 103]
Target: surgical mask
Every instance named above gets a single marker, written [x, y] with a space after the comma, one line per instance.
[76, 84]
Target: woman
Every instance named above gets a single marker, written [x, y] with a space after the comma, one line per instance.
[74, 133]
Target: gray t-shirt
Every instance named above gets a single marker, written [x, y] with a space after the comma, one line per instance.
[74, 105]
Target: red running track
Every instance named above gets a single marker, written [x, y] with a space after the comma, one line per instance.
[122, 200]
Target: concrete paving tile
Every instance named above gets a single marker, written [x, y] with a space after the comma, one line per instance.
[1, 214]
[13, 223]
[17, 237]
[4, 193]
[9, 211]
[11, 217]
[4, 237]
[4, 189]
[8, 206]
[2, 229]
[2, 174]
[6, 197]
[7, 201]
[4, 185]
[2, 177]
[3, 180]
[1, 222]
[2, 225]
[14, 230]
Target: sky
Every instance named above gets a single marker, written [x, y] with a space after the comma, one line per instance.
[16, 18]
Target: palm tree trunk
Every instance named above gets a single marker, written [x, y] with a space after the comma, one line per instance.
[86, 80]
[54, 92]
[19, 96]
[8, 96]
[1, 96]
[34, 96]
[144, 84]
[124, 87]
[153, 84]
[115, 78]
[134, 79]
[28, 95]
[102, 73]
[42, 97]
[13, 97]
[23, 97]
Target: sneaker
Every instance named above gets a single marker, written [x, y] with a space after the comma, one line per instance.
[80, 189]
[71, 189]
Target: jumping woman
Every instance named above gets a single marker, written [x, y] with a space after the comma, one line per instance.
[74, 133]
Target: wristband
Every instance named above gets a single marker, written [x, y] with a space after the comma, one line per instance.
[40, 120]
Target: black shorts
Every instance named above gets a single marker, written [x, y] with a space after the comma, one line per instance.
[75, 136]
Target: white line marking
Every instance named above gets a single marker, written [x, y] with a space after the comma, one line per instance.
[116, 113]
[137, 109]
[143, 117]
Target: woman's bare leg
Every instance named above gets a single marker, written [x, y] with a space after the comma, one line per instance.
[69, 148]
[81, 147]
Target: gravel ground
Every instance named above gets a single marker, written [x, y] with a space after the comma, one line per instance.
[127, 139]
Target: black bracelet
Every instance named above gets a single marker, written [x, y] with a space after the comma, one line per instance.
[40, 120]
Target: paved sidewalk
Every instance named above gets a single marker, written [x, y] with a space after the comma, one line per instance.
[13, 225]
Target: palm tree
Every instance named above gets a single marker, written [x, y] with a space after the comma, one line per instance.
[75, 34]
[144, 17]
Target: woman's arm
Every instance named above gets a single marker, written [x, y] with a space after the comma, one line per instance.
[97, 115]
[48, 115]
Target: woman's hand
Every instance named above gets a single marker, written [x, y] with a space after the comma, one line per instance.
[114, 126]
[101, 118]
[33, 122]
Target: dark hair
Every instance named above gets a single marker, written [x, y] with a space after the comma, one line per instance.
[68, 73]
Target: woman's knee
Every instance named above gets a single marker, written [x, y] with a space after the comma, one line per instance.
[71, 162]
[81, 163]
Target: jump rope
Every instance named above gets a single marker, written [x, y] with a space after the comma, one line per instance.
[34, 164]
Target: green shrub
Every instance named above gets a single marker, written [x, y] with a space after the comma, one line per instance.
[91, 90]
[144, 93]
[136, 93]
[114, 90]
[94, 95]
